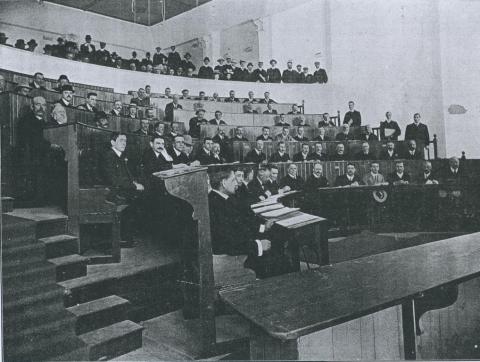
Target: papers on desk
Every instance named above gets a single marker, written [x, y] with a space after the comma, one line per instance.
[266, 202]
[389, 132]
[259, 210]
[280, 212]
[296, 220]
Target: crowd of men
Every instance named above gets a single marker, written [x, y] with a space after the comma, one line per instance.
[171, 63]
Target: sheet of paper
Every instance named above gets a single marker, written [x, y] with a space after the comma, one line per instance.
[279, 212]
[389, 132]
[259, 210]
[266, 202]
[296, 220]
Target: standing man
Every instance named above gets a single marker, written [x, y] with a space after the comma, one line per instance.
[389, 129]
[353, 117]
[87, 48]
[260, 73]
[273, 74]
[174, 60]
[320, 74]
[289, 75]
[417, 131]
[159, 58]
[170, 109]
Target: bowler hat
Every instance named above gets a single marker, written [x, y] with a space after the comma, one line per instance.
[188, 140]
[3, 36]
[88, 37]
[63, 76]
[32, 42]
[273, 61]
[67, 87]
[20, 43]
[22, 85]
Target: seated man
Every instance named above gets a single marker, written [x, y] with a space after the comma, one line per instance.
[177, 152]
[318, 154]
[204, 156]
[256, 155]
[265, 136]
[123, 188]
[241, 194]
[90, 103]
[344, 135]
[427, 177]
[374, 177]
[389, 153]
[292, 181]
[303, 155]
[62, 80]
[141, 99]
[144, 129]
[285, 135]
[270, 109]
[326, 121]
[196, 122]
[233, 230]
[282, 122]
[368, 134]
[67, 96]
[216, 157]
[389, 129]
[132, 111]
[218, 119]
[321, 135]
[174, 132]
[348, 179]
[399, 176]
[59, 115]
[266, 98]
[453, 174]
[316, 180]
[38, 81]
[221, 138]
[239, 135]
[185, 92]
[257, 187]
[248, 108]
[117, 108]
[231, 98]
[159, 129]
[150, 115]
[300, 137]
[272, 182]
[156, 158]
[412, 153]
[365, 153]
[280, 155]
[295, 110]
[170, 109]
[101, 120]
[339, 154]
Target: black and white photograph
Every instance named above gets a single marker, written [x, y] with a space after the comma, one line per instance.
[240, 180]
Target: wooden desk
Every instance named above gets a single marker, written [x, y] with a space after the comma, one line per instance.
[365, 308]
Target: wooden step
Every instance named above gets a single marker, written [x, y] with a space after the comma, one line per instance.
[49, 220]
[32, 275]
[42, 313]
[31, 298]
[113, 340]
[23, 254]
[59, 245]
[99, 313]
[7, 204]
[70, 266]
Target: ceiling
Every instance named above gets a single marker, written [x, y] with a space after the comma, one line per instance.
[122, 9]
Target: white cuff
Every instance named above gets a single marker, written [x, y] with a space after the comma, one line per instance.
[262, 228]
[259, 248]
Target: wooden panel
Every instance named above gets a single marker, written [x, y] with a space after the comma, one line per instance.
[453, 332]
[265, 347]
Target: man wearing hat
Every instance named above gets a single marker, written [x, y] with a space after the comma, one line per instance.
[173, 59]
[102, 54]
[319, 75]
[147, 60]
[58, 50]
[32, 44]
[250, 73]
[170, 109]
[219, 68]
[88, 48]
[273, 74]
[20, 44]
[228, 67]
[298, 73]
[134, 60]
[188, 146]
[305, 77]
[62, 80]
[38, 81]
[241, 73]
[132, 111]
[67, 96]
[289, 75]
[206, 71]
[3, 40]
[260, 73]
[23, 89]
[186, 63]
[196, 122]
[159, 57]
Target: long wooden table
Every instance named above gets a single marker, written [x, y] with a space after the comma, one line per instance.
[377, 307]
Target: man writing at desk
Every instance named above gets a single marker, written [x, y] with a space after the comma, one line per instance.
[348, 179]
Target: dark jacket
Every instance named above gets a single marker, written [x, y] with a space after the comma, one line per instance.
[274, 75]
[215, 122]
[117, 175]
[343, 137]
[320, 76]
[365, 156]
[263, 138]
[169, 110]
[298, 157]
[289, 76]
[342, 180]
[355, 116]
[204, 158]
[277, 158]
[206, 72]
[253, 156]
[385, 156]
[294, 183]
[316, 157]
[417, 155]
[181, 158]
[152, 163]
[194, 125]
[145, 102]
[390, 125]
[256, 189]
[314, 183]
[174, 60]
[393, 177]
[418, 133]
[159, 59]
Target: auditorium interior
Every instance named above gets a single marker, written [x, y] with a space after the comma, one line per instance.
[240, 180]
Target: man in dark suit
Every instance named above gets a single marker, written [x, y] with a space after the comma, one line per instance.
[365, 153]
[239, 135]
[256, 155]
[292, 181]
[177, 153]
[339, 154]
[326, 121]
[147, 61]
[123, 188]
[257, 187]
[427, 176]
[412, 153]
[218, 119]
[90, 103]
[196, 122]
[367, 135]
[273, 73]
[344, 134]
[231, 98]
[353, 117]
[38, 81]
[134, 60]
[321, 135]
[289, 75]
[316, 180]
[250, 75]
[399, 176]
[87, 48]
[67, 96]
[144, 129]
[234, 230]
[240, 73]
[187, 63]
[303, 155]
[224, 142]
[248, 108]
[300, 137]
[266, 99]
[156, 158]
[318, 155]
[389, 153]
[389, 129]
[348, 179]
[272, 182]
[204, 156]
[454, 174]
[170, 109]
[280, 155]
[260, 73]
[305, 77]
[159, 58]
[117, 109]
[141, 99]
[320, 74]
[417, 131]
[265, 136]
[269, 109]
[206, 71]
[174, 60]
[102, 54]
[295, 110]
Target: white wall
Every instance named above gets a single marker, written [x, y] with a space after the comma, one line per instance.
[28, 19]
[240, 42]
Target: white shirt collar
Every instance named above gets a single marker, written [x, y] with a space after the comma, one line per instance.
[400, 174]
[177, 152]
[350, 178]
[117, 152]
[166, 155]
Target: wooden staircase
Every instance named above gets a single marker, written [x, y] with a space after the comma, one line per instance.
[37, 253]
